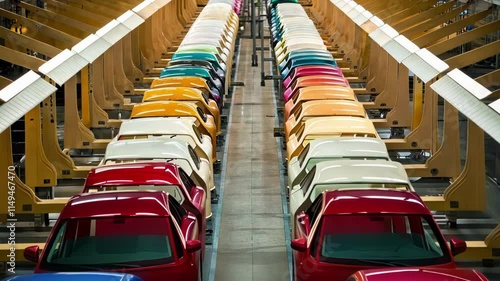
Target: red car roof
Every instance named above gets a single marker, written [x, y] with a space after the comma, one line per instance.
[373, 201]
[117, 203]
[153, 173]
[423, 274]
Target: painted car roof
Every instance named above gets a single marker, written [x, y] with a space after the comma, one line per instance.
[339, 125]
[76, 276]
[422, 274]
[116, 203]
[360, 171]
[164, 108]
[157, 125]
[173, 93]
[154, 173]
[347, 147]
[332, 108]
[147, 149]
[336, 91]
[373, 201]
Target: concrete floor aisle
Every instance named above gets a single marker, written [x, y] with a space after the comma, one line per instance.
[251, 243]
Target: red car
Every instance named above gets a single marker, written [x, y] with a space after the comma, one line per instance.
[345, 231]
[145, 233]
[167, 177]
[418, 274]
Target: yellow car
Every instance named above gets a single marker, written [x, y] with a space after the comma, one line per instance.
[186, 94]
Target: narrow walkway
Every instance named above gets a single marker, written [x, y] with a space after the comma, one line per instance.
[251, 240]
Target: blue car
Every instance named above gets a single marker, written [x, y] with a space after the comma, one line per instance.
[75, 276]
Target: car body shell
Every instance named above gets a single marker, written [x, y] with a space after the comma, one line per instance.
[206, 56]
[318, 60]
[134, 175]
[177, 109]
[340, 202]
[173, 150]
[314, 80]
[134, 204]
[317, 93]
[363, 173]
[194, 71]
[334, 148]
[184, 128]
[191, 82]
[308, 70]
[418, 274]
[189, 95]
[75, 276]
[328, 127]
[319, 108]
[300, 55]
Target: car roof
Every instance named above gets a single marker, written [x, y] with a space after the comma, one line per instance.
[373, 201]
[347, 147]
[157, 126]
[332, 108]
[360, 171]
[147, 149]
[76, 276]
[173, 93]
[339, 125]
[117, 203]
[164, 108]
[153, 173]
[421, 274]
[338, 92]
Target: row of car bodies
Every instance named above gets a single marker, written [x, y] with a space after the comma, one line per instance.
[354, 213]
[143, 210]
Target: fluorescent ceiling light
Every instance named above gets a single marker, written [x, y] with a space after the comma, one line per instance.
[21, 96]
[496, 106]
[355, 12]
[469, 84]
[130, 19]
[91, 47]
[362, 18]
[63, 66]
[383, 34]
[473, 108]
[113, 32]
[146, 9]
[425, 64]
[400, 48]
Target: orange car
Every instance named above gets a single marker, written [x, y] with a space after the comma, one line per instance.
[205, 122]
[317, 93]
[187, 94]
[314, 80]
[329, 127]
[323, 108]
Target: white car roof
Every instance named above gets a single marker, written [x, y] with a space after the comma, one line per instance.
[155, 125]
[360, 171]
[148, 149]
[347, 147]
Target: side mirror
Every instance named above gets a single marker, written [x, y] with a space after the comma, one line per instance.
[193, 246]
[299, 244]
[457, 246]
[31, 253]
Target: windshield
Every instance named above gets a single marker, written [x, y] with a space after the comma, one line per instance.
[173, 190]
[406, 240]
[108, 243]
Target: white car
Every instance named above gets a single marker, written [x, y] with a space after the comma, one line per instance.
[160, 127]
[319, 150]
[347, 174]
[176, 151]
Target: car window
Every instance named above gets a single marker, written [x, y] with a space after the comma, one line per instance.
[314, 210]
[194, 156]
[202, 114]
[411, 240]
[179, 249]
[306, 182]
[186, 180]
[108, 243]
[177, 211]
[303, 154]
[197, 133]
[300, 131]
[204, 96]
